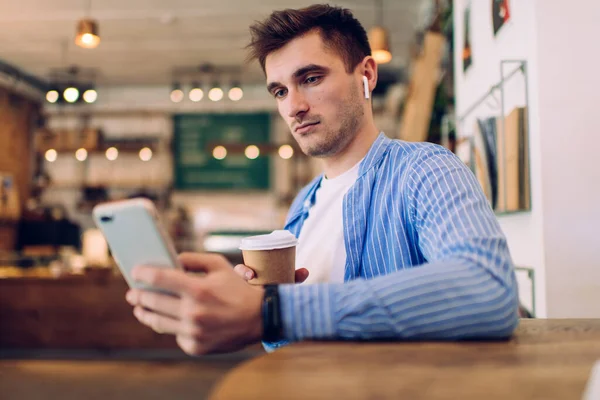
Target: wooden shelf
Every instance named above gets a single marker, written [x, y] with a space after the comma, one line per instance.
[113, 185]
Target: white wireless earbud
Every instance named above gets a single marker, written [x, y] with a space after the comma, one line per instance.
[366, 84]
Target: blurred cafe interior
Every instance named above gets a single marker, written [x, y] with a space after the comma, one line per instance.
[103, 100]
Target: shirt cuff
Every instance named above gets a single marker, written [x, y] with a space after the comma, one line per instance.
[307, 311]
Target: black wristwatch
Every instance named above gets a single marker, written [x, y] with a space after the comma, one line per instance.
[271, 315]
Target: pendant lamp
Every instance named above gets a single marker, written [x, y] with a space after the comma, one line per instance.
[379, 38]
[87, 34]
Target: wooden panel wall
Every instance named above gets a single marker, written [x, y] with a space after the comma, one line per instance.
[17, 115]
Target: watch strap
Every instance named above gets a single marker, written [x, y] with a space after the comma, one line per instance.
[271, 314]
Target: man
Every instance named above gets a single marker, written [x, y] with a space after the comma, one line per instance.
[397, 238]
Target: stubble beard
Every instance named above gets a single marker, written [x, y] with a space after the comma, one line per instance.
[331, 142]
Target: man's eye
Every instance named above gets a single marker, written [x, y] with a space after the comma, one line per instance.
[312, 79]
[279, 93]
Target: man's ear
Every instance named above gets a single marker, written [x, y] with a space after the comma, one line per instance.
[369, 70]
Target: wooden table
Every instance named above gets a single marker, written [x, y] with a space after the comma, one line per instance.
[546, 359]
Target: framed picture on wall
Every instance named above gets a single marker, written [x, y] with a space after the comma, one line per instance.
[203, 154]
[467, 54]
[500, 14]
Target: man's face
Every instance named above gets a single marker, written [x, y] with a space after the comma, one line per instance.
[322, 103]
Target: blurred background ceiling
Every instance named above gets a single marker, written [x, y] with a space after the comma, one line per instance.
[142, 41]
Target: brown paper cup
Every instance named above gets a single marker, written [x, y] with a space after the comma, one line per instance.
[271, 266]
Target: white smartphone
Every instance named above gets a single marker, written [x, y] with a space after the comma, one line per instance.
[135, 236]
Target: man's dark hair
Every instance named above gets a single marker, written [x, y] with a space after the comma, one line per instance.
[339, 30]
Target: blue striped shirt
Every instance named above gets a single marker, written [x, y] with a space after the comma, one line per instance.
[426, 258]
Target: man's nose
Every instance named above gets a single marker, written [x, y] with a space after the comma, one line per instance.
[297, 104]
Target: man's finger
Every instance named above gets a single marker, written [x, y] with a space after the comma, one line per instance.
[244, 271]
[161, 303]
[190, 346]
[301, 275]
[159, 323]
[170, 280]
[204, 262]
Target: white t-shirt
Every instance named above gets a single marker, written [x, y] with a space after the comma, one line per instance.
[321, 247]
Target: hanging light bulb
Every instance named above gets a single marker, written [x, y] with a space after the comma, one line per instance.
[235, 93]
[51, 155]
[81, 154]
[219, 152]
[286, 151]
[216, 93]
[90, 96]
[145, 154]
[176, 93]
[379, 39]
[196, 94]
[71, 94]
[87, 34]
[252, 152]
[52, 96]
[112, 153]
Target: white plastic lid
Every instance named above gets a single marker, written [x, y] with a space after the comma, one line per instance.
[279, 239]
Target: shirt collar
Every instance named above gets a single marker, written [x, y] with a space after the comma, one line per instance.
[375, 153]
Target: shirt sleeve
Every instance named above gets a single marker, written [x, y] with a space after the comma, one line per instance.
[467, 288]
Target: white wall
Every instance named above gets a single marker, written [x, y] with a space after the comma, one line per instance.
[559, 237]
[517, 40]
[569, 97]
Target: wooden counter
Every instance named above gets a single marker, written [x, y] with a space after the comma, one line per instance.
[75, 312]
[546, 359]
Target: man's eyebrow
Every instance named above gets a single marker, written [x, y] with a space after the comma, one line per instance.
[309, 68]
[272, 86]
[299, 73]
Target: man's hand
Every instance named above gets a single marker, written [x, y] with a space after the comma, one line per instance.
[248, 273]
[212, 313]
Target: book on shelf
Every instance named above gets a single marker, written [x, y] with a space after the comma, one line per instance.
[513, 162]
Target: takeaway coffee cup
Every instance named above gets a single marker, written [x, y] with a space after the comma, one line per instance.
[272, 257]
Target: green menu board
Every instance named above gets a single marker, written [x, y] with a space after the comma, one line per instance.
[195, 166]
